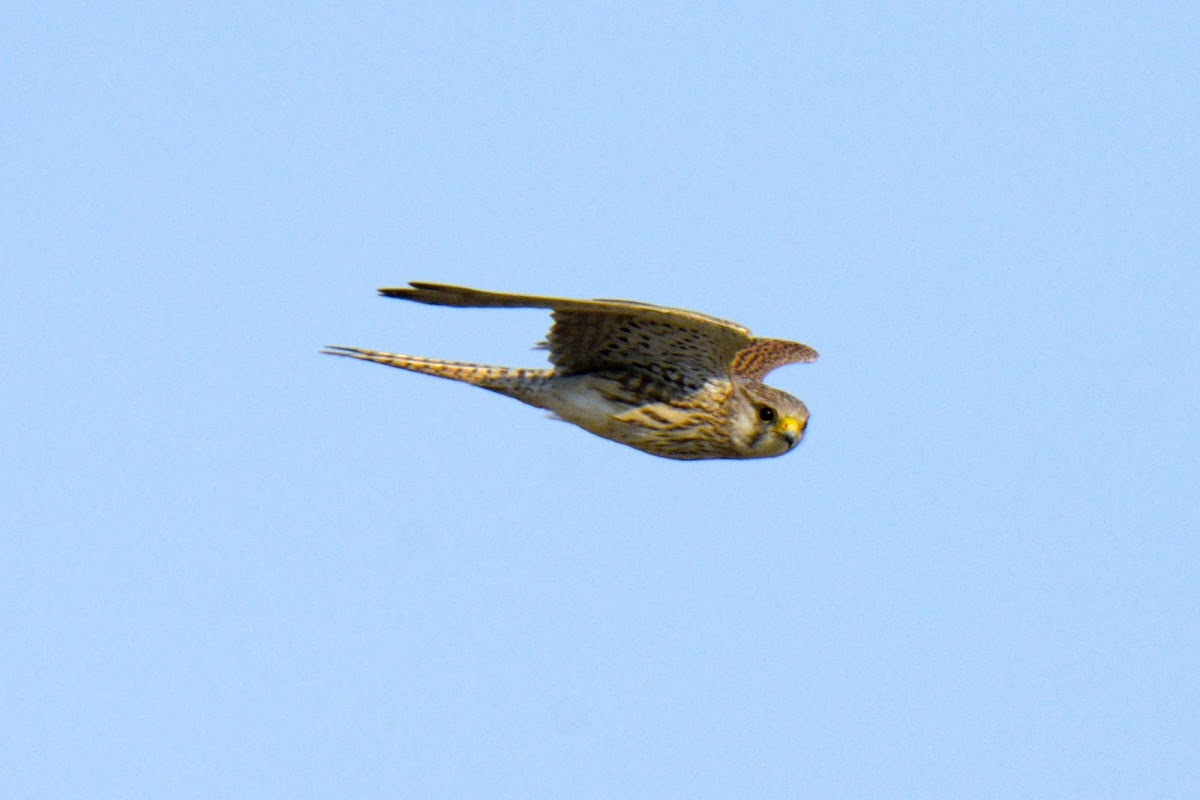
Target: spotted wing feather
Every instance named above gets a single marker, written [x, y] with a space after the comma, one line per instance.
[679, 346]
[754, 361]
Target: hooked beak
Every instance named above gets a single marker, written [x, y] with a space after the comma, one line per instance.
[791, 429]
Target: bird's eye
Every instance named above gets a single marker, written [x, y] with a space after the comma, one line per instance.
[766, 414]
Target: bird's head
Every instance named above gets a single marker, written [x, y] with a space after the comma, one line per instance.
[768, 422]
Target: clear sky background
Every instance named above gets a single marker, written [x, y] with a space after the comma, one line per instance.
[233, 567]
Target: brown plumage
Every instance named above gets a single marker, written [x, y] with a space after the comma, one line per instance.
[667, 381]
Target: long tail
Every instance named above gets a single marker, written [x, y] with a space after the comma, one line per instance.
[526, 385]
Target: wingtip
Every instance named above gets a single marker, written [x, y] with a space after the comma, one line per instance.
[416, 287]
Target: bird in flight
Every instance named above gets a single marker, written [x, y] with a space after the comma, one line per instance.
[666, 381]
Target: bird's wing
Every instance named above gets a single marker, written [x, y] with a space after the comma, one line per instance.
[761, 356]
[676, 345]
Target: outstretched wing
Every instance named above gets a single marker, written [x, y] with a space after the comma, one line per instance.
[761, 356]
[675, 345]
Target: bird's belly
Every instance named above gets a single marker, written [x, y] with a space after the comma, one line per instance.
[605, 406]
[591, 403]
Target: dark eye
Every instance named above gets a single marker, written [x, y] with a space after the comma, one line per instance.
[766, 414]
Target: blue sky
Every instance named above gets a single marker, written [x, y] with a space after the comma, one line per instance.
[235, 568]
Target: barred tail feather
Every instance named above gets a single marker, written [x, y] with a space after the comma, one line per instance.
[523, 384]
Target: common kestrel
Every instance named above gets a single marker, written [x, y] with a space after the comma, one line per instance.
[666, 381]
